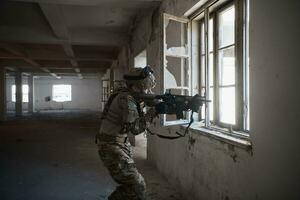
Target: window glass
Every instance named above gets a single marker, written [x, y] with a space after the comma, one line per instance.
[62, 93]
[211, 86]
[211, 104]
[228, 82]
[25, 91]
[226, 27]
[210, 35]
[13, 93]
[227, 66]
[141, 59]
[202, 44]
[227, 105]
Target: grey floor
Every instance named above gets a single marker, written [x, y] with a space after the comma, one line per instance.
[53, 156]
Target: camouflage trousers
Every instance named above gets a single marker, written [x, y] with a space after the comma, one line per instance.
[117, 158]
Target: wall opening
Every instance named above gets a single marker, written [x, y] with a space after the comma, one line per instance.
[141, 59]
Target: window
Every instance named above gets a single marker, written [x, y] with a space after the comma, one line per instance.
[176, 62]
[219, 59]
[141, 59]
[25, 91]
[105, 90]
[227, 69]
[62, 93]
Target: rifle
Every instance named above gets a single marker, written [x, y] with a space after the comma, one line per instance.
[173, 104]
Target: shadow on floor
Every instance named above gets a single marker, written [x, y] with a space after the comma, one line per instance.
[53, 156]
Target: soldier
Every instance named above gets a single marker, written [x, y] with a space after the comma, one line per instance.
[122, 115]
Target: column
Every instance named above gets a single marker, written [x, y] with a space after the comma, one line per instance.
[30, 94]
[19, 93]
[2, 94]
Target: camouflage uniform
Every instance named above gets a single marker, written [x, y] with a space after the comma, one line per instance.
[122, 115]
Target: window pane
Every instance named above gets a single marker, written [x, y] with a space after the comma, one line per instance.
[226, 27]
[25, 90]
[247, 97]
[211, 84]
[227, 66]
[176, 38]
[13, 93]
[203, 107]
[202, 92]
[227, 105]
[176, 73]
[202, 71]
[211, 69]
[210, 36]
[202, 44]
[61, 93]
[211, 104]
[141, 59]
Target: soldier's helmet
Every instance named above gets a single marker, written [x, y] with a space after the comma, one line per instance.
[141, 78]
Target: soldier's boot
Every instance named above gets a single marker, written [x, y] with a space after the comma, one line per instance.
[129, 192]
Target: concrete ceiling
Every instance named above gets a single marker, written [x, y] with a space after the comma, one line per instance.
[61, 37]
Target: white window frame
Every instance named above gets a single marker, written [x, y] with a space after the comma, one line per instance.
[241, 55]
[241, 76]
[69, 95]
[165, 53]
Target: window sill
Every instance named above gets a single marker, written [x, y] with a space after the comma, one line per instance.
[239, 141]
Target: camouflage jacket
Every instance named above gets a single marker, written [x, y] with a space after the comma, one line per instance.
[123, 115]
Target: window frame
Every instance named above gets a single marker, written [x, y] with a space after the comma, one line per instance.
[212, 9]
[186, 56]
[68, 95]
[241, 102]
[25, 96]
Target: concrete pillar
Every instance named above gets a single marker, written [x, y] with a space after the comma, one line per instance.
[30, 94]
[2, 94]
[19, 93]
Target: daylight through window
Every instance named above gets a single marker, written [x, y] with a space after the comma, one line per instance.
[227, 70]
[62, 93]
[25, 91]
[216, 57]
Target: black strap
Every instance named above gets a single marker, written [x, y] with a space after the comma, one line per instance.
[145, 73]
[178, 134]
[107, 105]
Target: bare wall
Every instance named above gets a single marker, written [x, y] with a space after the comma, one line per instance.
[86, 94]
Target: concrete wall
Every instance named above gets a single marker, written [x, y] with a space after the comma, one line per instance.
[204, 168]
[86, 94]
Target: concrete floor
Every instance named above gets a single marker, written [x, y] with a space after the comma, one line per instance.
[53, 156]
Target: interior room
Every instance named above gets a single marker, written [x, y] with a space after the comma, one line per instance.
[226, 72]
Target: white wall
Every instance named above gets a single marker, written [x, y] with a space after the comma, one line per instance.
[85, 94]
[204, 168]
